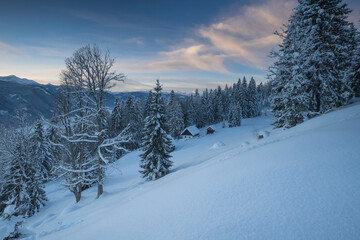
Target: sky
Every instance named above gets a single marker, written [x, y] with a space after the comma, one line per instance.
[187, 44]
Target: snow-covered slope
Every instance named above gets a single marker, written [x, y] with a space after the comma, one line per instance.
[301, 183]
[15, 79]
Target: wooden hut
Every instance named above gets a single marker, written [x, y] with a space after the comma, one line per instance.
[210, 130]
[190, 132]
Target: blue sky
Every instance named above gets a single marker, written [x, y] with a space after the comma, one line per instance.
[186, 44]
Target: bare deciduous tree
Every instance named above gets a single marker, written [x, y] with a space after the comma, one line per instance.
[89, 74]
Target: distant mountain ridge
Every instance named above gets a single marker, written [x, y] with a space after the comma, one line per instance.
[33, 98]
[37, 99]
[15, 79]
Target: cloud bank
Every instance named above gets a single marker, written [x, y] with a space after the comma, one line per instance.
[246, 37]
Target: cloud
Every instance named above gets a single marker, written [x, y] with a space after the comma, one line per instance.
[97, 18]
[136, 40]
[195, 57]
[243, 37]
[30, 51]
[8, 48]
[178, 84]
[246, 38]
[37, 63]
[131, 85]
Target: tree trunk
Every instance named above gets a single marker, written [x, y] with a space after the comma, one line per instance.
[77, 197]
[100, 162]
[77, 192]
[100, 178]
[100, 190]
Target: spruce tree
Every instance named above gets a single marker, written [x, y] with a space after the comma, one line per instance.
[42, 151]
[354, 72]
[309, 75]
[197, 100]
[253, 99]
[204, 110]
[245, 96]
[148, 104]
[116, 119]
[175, 116]
[284, 108]
[235, 115]
[226, 99]
[239, 93]
[22, 190]
[133, 119]
[190, 114]
[326, 52]
[157, 145]
[218, 105]
[210, 108]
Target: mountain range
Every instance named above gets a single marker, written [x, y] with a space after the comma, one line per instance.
[37, 99]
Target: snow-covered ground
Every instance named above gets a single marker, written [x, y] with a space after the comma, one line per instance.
[301, 183]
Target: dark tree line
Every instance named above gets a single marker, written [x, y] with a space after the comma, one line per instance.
[218, 105]
[243, 99]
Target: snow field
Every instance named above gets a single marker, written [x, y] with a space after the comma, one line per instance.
[301, 183]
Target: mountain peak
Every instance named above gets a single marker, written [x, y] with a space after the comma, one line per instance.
[15, 79]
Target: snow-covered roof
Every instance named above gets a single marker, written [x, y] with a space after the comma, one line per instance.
[192, 129]
[212, 127]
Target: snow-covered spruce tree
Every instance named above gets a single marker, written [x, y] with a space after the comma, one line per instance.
[354, 72]
[197, 100]
[190, 113]
[245, 105]
[135, 124]
[175, 116]
[309, 76]
[280, 73]
[22, 190]
[131, 119]
[211, 107]
[128, 111]
[206, 111]
[226, 96]
[148, 104]
[253, 99]
[116, 119]
[157, 145]
[235, 115]
[239, 93]
[328, 48]
[263, 95]
[289, 101]
[42, 150]
[218, 105]
[3, 163]
[139, 105]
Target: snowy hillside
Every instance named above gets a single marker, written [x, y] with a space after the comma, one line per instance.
[301, 183]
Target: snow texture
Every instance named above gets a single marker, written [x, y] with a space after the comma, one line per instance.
[300, 183]
[217, 145]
